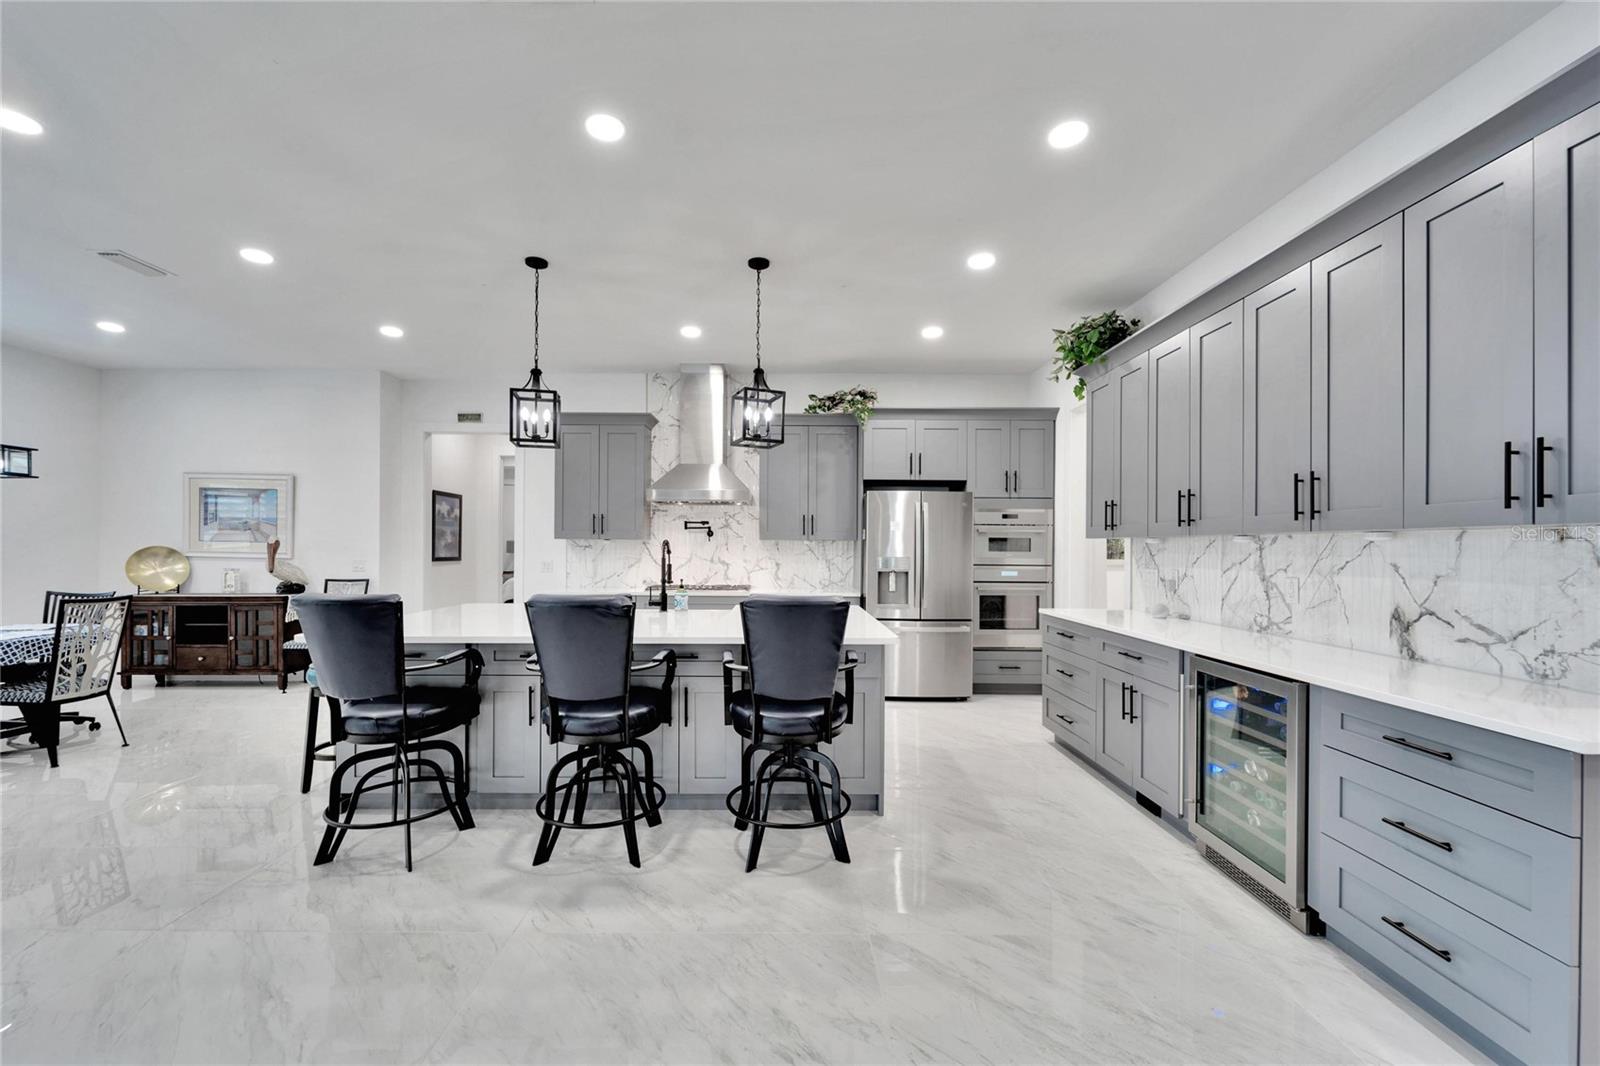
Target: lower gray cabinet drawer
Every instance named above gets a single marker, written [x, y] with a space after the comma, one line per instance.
[1529, 780]
[1072, 675]
[1511, 873]
[1005, 667]
[1517, 996]
[1073, 722]
[1059, 634]
[1152, 662]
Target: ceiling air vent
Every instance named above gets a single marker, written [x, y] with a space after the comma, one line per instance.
[469, 416]
[133, 263]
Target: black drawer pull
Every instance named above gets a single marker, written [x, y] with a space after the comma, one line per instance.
[1130, 655]
[1065, 673]
[1404, 828]
[1441, 952]
[1404, 743]
[1065, 719]
[1008, 666]
[1063, 633]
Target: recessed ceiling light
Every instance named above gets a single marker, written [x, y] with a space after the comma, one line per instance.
[257, 256]
[17, 122]
[604, 127]
[932, 333]
[980, 260]
[690, 332]
[111, 327]
[1068, 134]
[392, 332]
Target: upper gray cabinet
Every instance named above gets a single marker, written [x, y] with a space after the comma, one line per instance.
[1277, 400]
[1119, 446]
[1216, 423]
[602, 477]
[811, 483]
[1011, 457]
[1169, 435]
[1566, 322]
[1469, 348]
[1357, 382]
[915, 449]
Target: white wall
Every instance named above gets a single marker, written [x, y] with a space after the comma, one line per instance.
[50, 528]
[467, 464]
[320, 426]
[1527, 61]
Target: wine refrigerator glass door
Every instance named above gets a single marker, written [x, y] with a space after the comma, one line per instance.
[1250, 772]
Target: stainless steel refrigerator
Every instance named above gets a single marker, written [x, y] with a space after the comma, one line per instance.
[919, 584]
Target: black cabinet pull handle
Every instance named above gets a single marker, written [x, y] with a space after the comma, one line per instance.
[1190, 506]
[1124, 699]
[919, 464]
[1314, 480]
[1298, 513]
[1540, 497]
[1105, 514]
[1016, 481]
[1132, 692]
[1065, 719]
[591, 525]
[1113, 514]
[1180, 507]
[1441, 952]
[1404, 743]
[1130, 655]
[1009, 666]
[1510, 451]
[911, 462]
[1444, 845]
[1065, 673]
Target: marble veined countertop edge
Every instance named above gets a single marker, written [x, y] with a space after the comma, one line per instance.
[507, 623]
[1544, 713]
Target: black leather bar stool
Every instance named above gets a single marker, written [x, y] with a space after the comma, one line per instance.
[787, 708]
[359, 647]
[583, 648]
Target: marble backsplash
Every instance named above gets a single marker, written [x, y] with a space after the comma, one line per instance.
[1522, 602]
[734, 555]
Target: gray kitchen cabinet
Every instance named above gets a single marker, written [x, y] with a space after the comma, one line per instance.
[1566, 322]
[1357, 383]
[602, 478]
[507, 736]
[1468, 348]
[578, 482]
[1216, 423]
[889, 448]
[1033, 458]
[1157, 722]
[1130, 505]
[1169, 435]
[1117, 746]
[1011, 458]
[915, 449]
[708, 748]
[1101, 484]
[1277, 404]
[663, 744]
[989, 457]
[811, 485]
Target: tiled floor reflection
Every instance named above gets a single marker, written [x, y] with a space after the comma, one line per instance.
[159, 905]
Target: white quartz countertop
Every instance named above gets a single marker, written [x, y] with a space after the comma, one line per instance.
[1546, 714]
[507, 623]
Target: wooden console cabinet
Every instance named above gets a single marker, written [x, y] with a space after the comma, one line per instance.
[195, 633]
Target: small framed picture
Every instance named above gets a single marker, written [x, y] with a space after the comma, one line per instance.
[446, 527]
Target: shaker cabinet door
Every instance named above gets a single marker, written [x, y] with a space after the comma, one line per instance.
[941, 449]
[1102, 430]
[833, 482]
[624, 481]
[1357, 383]
[1277, 404]
[1469, 349]
[784, 488]
[889, 449]
[708, 749]
[1158, 765]
[1117, 747]
[989, 457]
[1216, 423]
[578, 483]
[1033, 457]
[1566, 325]
[1130, 509]
[1169, 435]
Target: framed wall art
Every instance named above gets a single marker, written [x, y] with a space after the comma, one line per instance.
[237, 514]
[446, 527]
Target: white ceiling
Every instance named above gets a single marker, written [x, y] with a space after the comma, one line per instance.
[401, 159]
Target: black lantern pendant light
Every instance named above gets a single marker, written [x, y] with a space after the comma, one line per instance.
[757, 417]
[535, 410]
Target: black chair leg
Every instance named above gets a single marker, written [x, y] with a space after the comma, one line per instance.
[44, 727]
[763, 812]
[836, 829]
[647, 793]
[458, 806]
[547, 836]
[622, 769]
[747, 807]
[115, 717]
[405, 777]
[333, 836]
[311, 741]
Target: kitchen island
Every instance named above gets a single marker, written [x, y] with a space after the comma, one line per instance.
[696, 756]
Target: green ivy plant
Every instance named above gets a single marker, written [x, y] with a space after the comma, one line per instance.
[856, 401]
[1086, 341]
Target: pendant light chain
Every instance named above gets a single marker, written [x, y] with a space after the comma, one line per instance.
[758, 320]
[536, 274]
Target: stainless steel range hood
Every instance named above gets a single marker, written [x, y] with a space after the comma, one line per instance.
[701, 474]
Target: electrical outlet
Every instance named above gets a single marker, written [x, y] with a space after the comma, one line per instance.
[547, 566]
[358, 567]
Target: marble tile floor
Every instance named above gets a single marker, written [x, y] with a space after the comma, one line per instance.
[157, 904]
